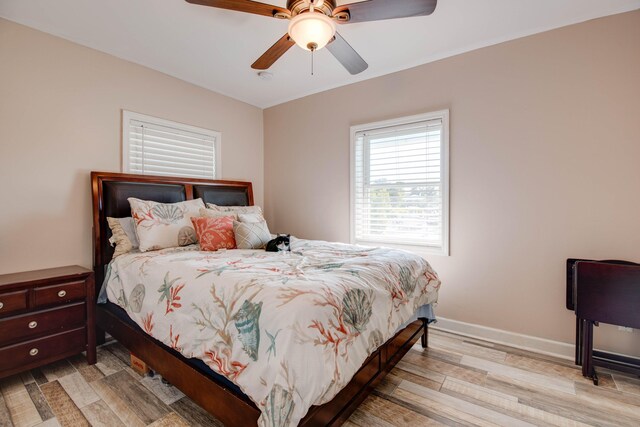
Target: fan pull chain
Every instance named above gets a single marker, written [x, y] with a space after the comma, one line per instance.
[312, 47]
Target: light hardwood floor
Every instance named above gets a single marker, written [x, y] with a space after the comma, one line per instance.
[456, 381]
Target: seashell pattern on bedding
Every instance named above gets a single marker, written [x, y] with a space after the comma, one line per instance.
[290, 329]
[356, 306]
[247, 321]
[279, 407]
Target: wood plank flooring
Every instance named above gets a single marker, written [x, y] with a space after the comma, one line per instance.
[457, 381]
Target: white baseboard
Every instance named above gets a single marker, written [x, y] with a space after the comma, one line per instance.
[499, 336]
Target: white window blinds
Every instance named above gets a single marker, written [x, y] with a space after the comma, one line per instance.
[399, 183]
[153, 146]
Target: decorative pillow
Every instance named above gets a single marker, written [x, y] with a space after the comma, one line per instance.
[236, 209]
[215, 233]
[124, 235]
[251, 235]
[164, 225]
[250, 217]
[210, 213]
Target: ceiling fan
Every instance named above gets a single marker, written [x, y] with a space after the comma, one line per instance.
[313, 24]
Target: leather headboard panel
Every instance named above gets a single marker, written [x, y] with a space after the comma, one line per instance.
[116, 205]
[110, 191]
[222, 196]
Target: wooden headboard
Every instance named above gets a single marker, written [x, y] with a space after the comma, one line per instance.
[110, 192]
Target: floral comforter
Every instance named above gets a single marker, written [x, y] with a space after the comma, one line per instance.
[289, 329]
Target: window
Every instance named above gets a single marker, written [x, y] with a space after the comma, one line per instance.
[400, 182]
[152, 146]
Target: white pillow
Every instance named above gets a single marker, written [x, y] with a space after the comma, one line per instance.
[210, 213]
[257, 210]
[164, 225]
[250, 218]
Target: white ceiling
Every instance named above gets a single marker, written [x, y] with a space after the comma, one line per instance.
[214, 48]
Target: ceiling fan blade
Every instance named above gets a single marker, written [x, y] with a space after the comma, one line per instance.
[346, 55]
[272, 54]
[244, 6]
[375, 10]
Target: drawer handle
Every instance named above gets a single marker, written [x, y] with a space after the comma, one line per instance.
[33, 324]
[33, 351]
[1, 305]
[62, 293]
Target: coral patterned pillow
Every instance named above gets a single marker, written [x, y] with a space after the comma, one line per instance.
[215, 233]
[164, 225]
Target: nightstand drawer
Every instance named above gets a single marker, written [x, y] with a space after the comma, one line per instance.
[11, 302]
[46, 315]
[59, 294]
[42, 349]
[25, 326]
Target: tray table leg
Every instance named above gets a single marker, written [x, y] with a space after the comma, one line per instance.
[588, 369]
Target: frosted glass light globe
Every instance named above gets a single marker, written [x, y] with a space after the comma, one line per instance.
[312, 30]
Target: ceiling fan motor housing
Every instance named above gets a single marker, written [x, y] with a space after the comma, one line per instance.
[299, 6]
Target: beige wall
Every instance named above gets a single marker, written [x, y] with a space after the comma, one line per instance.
[545, 165]
[60, 106]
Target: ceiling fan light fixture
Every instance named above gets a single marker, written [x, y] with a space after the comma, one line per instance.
[312, 30]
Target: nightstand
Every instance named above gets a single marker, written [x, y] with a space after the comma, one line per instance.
[46, 315]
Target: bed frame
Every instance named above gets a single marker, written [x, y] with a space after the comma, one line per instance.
[110, 192]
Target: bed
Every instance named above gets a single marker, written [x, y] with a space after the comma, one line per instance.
[318, 301]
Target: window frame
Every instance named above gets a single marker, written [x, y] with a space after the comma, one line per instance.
[444, 179]
[128, 116]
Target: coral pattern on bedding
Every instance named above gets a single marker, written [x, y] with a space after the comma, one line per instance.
[290, 329]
